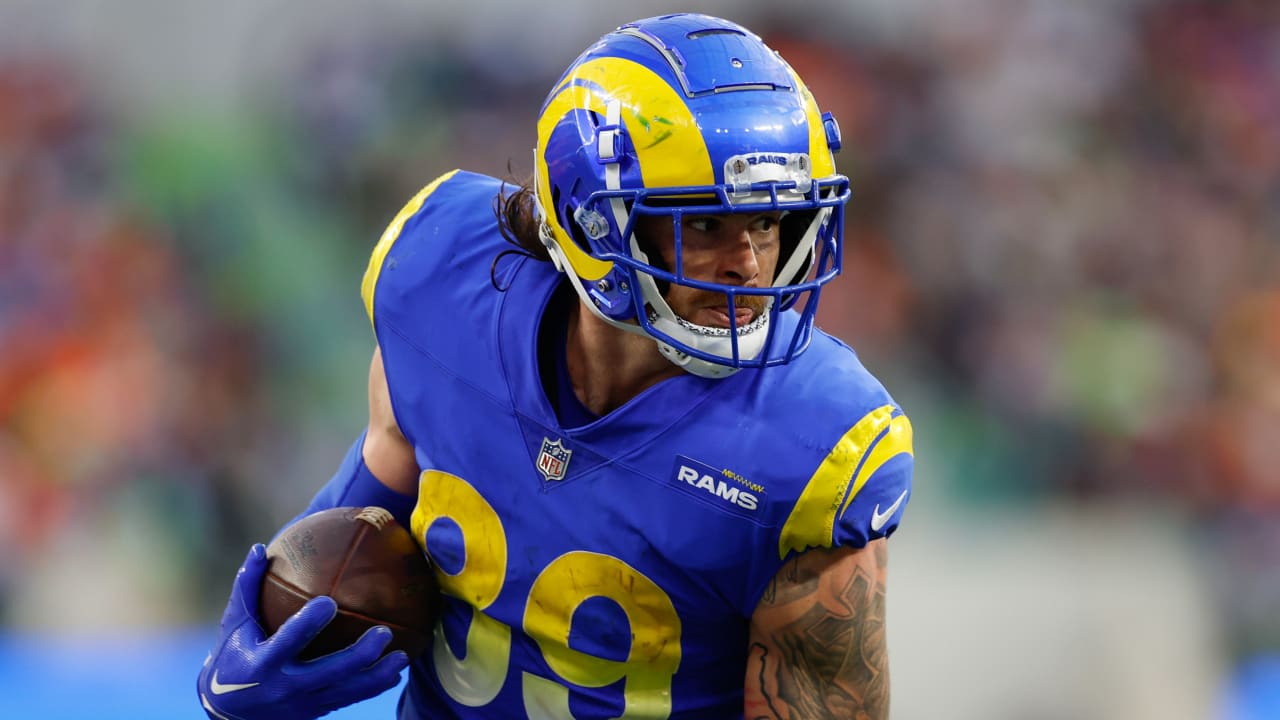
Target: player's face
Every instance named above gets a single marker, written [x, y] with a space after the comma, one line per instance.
[734, 249]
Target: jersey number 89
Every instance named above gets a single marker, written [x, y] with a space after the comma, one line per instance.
[476, 676]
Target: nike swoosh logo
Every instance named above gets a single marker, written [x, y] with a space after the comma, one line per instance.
[218, 688]
[878, 519]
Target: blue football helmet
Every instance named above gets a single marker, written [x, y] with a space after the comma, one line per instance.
[688, 115]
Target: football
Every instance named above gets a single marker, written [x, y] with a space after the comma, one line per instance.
[368, 563]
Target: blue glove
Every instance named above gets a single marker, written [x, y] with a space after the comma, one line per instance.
[249, 676]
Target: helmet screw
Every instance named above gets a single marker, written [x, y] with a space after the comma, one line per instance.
[603, 285]
[623, 286]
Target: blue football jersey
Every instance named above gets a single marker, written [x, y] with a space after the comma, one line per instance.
[608, 570]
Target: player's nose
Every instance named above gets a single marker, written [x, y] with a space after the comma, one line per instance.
[739, 263]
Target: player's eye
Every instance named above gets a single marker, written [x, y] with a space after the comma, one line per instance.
[764, 223]
[702, 224]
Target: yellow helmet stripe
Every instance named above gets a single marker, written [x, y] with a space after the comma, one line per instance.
[389, 236]
[812, 520]
[584, 266]
[668, 143]
[824, 164]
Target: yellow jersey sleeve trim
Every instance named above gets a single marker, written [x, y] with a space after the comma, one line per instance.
[389, 237]
[895, 442]
[812, 520]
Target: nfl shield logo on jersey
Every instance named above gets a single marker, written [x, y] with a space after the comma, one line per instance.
[553, 460]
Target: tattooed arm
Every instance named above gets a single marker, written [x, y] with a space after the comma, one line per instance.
[817, 639]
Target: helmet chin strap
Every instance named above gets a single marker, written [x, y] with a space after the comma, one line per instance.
[713, 341]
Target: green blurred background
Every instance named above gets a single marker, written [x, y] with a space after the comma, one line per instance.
[1063, 257]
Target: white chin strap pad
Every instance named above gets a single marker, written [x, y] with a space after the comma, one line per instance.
[713, 341]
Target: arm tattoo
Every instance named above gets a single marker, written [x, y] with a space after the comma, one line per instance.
[797, 582]
[831, 659]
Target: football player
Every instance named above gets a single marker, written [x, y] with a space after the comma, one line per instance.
[650, 487]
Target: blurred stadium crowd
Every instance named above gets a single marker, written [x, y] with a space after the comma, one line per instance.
[1063, 255]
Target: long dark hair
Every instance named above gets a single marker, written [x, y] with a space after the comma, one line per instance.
[518, 222]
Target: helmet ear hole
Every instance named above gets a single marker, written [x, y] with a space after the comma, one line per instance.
[555, 198]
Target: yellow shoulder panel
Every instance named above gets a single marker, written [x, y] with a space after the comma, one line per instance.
[389, 237]
[812, 520]
[894, 443]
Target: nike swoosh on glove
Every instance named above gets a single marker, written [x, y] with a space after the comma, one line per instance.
[249, 676]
